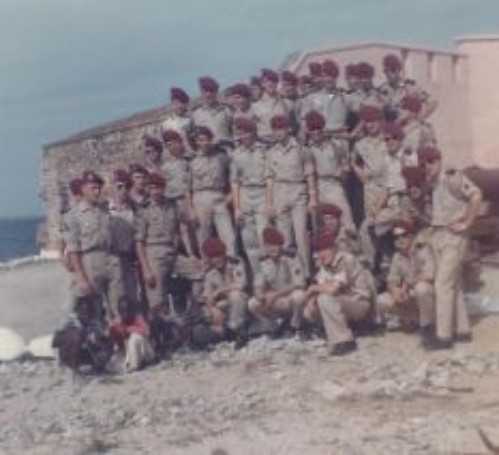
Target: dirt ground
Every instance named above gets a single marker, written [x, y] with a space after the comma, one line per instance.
[271, 397]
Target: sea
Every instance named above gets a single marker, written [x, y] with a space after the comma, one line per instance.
[18, 237]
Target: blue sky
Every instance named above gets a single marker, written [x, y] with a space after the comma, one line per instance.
[69, 64]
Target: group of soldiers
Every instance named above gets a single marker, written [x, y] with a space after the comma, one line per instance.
[302, 207]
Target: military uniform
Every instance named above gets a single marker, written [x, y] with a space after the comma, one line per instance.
[247, 171]
[209, 181]
[418, 133]
[450, 197]
[331, 104]
[393, 93]
[264, 109]
[216, 118]
[288, 167]
[158, 230]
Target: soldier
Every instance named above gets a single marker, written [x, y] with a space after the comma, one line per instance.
[241, 95]
[290, 188]
[179, 119]
[279, 286]
[305, 85]
[291, 98]
[417, 205]
[211, 113]
[209, 184]
[123, 258]
[225, 292]
[341, 294]
[247, 174]
[88, 244]
[153, 153]
[456, 204]
[331, 162]
[256, 88]
[366, 94]
[315, 74]
[157, 243]
[138, 191]
[395, 88]
[409, 300]
[269, 105]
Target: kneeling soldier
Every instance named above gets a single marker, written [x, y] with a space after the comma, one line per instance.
[410, 295]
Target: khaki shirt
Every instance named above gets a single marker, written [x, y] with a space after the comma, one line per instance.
[215, 118]
[123, 224]
[332, 105]
[177, 174]
[289, 163]
[358, 98]
[264, 109]
[233, 274]
[393, 94]
[372, 151]
[158, 224]
[209, 172]
[276, 275]
[330, 158]
[88, 229]
[419, 264]
[248, 166]
[346, 270]
[450, 197]
[394, 181]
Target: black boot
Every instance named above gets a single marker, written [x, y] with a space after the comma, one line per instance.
[343, 348]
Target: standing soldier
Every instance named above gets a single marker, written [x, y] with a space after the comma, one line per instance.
[211, 113]
[341, 294]
[225, 292]
[279, 287]
[157, 243]
[269, 105]
[456, 204]
[153, 153]
[247, 175]
[291, 98]
[290, 188]
[331, 162]
[179, 119]
[138, 191]
[409, 300]
[209, 186]
[366, 94]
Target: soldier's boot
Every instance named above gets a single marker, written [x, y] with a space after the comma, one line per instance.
[343, 348]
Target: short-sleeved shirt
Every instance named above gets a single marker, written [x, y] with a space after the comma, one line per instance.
[450, 197]
[215, 118]
[330, 158]
[123, 225]
[176, 173]
[158, 223]
[248, 165]
[332, 105]
[264, 109]
[234, 273]
[276, 275]
[88, 228]
[209, 171]
[289, 163]
[395, 182]
[418, 263]
[358, 98]
[372, 151]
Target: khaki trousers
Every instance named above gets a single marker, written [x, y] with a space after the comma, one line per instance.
[161, 259]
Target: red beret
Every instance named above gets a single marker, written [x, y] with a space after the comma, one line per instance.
[203, 131]
[401, 227]
[255, 80]
[153, 142]
[271, 75]
[279, 122]
[393, 130]
[289, 77]
[91, 177]
[411, 103]
[305, 79]
[136, 168]
[428, 153]
[330, 68]
[171, 135]
[213, 248]
[179, 95]
[208, 84]
[330, 209]
[322, 240]
[315, 69]
[414, 176]
[315, 121]
[369, 113]
[392, 62]
[122, 176]
[241, 90]
[365, 70]
[272, 236]
[244, 124]
[156, 179]
[75, 186]
[351, 70]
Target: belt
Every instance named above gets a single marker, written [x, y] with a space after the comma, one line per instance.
[253, 186]
[329, 177]
[170, 244]
[210, 190]
[291, 182]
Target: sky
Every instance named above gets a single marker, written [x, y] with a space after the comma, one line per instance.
[66, 65]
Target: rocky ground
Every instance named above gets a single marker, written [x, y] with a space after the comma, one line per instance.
[271, 397]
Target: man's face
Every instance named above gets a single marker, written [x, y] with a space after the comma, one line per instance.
[120, 191]
[331, 223]
[156, 192]
[138, 181]
[403, 242]
[91, 192]
[280, 134]
[269, 86]
[203, 142]
[329, 82]
[240, 102]
[432, 168]
[273, 251]
[372, 127]
[392, 76]
[218, 262]
[316, 136]
[366, 83]
[256, 92]
[210, 97]
[178, 108]
[176, 148]
[353, 82]
[393, 144]
[247, 138]
[288, 90]
[153, 155]
[325, 256]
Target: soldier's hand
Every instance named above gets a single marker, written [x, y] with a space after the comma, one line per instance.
[150, 280]
[238, 216]
[270, 212]
[458, 227]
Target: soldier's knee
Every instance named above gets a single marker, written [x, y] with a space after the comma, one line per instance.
[385, 301]
[254, 305]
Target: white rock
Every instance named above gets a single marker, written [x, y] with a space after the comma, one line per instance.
[41, 347]
[12, 346]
